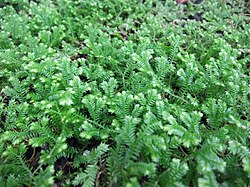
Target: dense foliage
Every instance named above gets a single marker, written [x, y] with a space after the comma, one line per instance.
[124, 93]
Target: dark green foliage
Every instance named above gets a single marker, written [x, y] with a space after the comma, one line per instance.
[124, 93]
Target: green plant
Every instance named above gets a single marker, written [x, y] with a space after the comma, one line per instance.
[128, 92]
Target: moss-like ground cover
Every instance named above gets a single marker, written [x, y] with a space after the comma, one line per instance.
[124, 93]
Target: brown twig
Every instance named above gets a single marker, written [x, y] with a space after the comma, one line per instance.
[183, 152]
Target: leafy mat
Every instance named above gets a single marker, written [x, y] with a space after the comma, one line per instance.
[124, 93]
